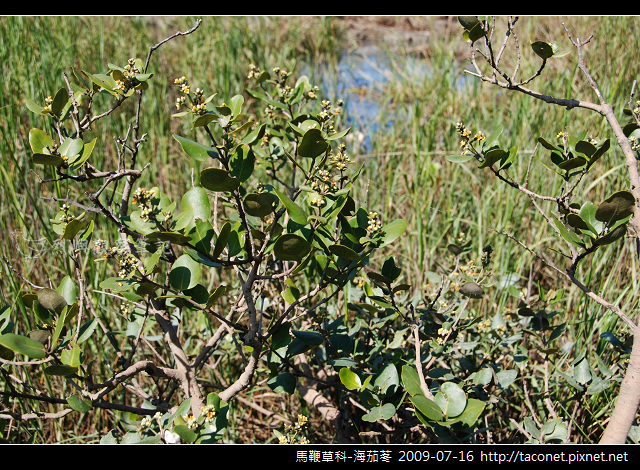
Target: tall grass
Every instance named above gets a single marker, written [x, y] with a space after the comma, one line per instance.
[406, 174]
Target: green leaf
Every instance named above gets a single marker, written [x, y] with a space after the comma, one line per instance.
[388, 379]
[459, 158]
[383, 412]
[46, 159]
[345, 253]
[51, 300]
[612, 236]
[186, 434]
[196, 150]
[312, 338]
[60, 99]
[468, 22]
[339, 135]
[235, 104]
[296, 213]
[569, 236]
[451, 399]
[216, 295]
[242, 163]
[70, 148]
[600, 152]
[476, 32]
[549, 145]
[34, 107]
[23, 345]
[350, 379]
[185, 273]
[76, 163]
[171, 237]
[284, 382]
[39, 141]
[616, 207]
[313, 144]
[582, 372]
[391, 231]
[259, 204]
[78, 404]
[71, 357]
[471, 413]
[506, 377]
[472, 290]
[217, 179]
[221, 242]
[427, 407]
[543, 49]
[197, 198]
[411, 380]
[492, 157]
[60, 370]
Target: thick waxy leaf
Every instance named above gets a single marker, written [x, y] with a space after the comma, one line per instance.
[492, 157]
[78, 404]
[383, 412]
[345, 253]
[543, 49]
[468, 22]
[548, 145]
[171, 237]
[291, 247]
[391, 231]
[296, 213]
[61, 370]
[313, 144]
[569, 236]
[259, 204]
[472, 290]
[572, 163]
[459, 158]
[284, 382]
[242, 163]
[428, 408]
[476, 32]
[39, 141]
[197, 198]
[196, 150]
[51, 300]
[350, 379]
[600, 151]
[616, 207]
[23, 345]
[411, 380]
[222, 240]
[585, 147]
[217, 179]
[46, 159]
[185, 273]
[612, 236]
[451, 399]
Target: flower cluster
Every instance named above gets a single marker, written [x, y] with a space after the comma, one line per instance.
[209, 413]
[197, 102]
[465, 138]
[127, 266]
[48, 101]
[327, 111]
[65, 217]
[142, 198]
[374, 223]
[341, 160]
[291, 432]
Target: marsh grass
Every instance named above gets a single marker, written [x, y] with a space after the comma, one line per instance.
[406, 174]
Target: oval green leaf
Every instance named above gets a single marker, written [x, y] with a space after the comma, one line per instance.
[23, 345]
[185, 273]
[217, 179]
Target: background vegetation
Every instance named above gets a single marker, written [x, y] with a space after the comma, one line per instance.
[408, 115]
